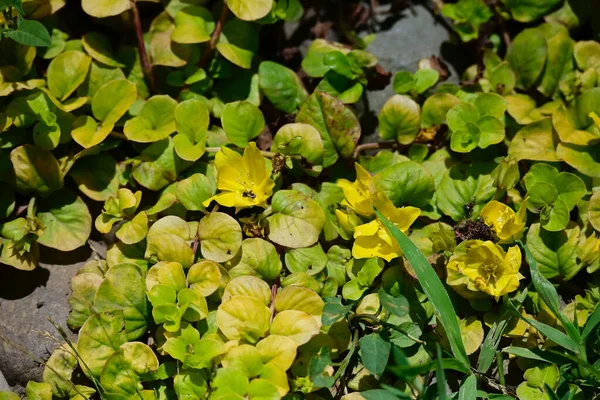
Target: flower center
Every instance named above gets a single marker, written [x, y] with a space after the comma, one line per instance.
[491, 271]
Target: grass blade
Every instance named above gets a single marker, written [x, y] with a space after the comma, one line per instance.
[440, 376]
[433, 288]
[592, 322]
[493, 337]
[534, 354]
[468, 390]
[551, 333]
[549, 295]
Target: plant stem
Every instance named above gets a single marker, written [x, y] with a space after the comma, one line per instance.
[273, 295]
[139, 33]
[118, 135]
[214, 38]
[374, 320]
[374, 146]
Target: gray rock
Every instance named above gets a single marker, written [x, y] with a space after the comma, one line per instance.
[3, 384]
[402, 40]
[28, 301]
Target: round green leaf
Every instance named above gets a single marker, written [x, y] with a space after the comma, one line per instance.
[204, 277]
[245, 358]
[167, 240]
[435, 109]
[193, 24]
[155, 121]
[99, 338]
[536, 141]
[527, 57]
[66, 72]
[338, 126]
[220, 237]
[35, 170]
[242, 121]
[243, 317]
[281, 86]
[113, 99]
[297, 220]
[400, 119]
[161, 49]
[464, 185]
[124, 289]
[299, 139]
[135, 230]
[193, 191]
[585, 159]
[191, 119]
[555, 252]
[262, 257]
[97, 176]
[250, 10]
[99, 48]
[406, 183]
[67, 219]
[105, 8]
[238, 41]
[594, 210]
[307, 259]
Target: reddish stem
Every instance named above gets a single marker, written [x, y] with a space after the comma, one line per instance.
[139, 33]
[273, 294]
[214, 38]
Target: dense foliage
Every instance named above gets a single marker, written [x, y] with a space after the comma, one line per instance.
[259, 250]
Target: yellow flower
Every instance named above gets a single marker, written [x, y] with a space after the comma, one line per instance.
[348, 220]
[507, 224]
[373, 239]
[478, 266]
[245, 181]
[359, 194]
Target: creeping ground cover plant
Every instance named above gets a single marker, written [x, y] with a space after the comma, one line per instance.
[259, 247]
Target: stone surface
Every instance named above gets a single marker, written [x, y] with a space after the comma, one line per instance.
[28, 301]
[402, 39]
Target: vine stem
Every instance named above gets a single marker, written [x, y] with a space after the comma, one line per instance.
[373, 319]
[268, 154]
[214, 38]
[139, 33]
[273, 295]
[118, 135]
[374, 146]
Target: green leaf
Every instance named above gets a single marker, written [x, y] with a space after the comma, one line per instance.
[124, 288]
[167, 240]
[338, 126]
[536, 141]
[299, 139]
[38, 391]
[67, 72]
[99, 338]
[555, 252]
[527, 57]
[190, 384]
[97, 176]
[193, 191]
[67, 219]
[99, 48]
[242, 121]
[30, 33]
[105, 8]
[465, 185]
[192, 119]
[156, 120]
[261, 256]
[468, 390]
[400, 119]
[433, 288]
[297, 220]
[59, 369]
[35, 170]
[397, 305]
[159, 165]
[281, 86]
[220, 237]
[121, 376]
[193, 24]
[311, 260]
[84, 286]
[530, 10]
[374, 353]
[238, 42]
[406, 183]
[425, 78]
[250, 10]
[549, 295]
[435, 109]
